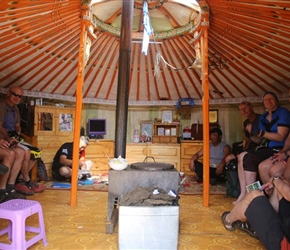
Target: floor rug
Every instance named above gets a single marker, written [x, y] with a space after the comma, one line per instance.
[191, 186]
[100, 183]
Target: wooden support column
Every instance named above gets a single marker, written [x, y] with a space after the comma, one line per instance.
[205, 106]
[78, 109]
[123, 78]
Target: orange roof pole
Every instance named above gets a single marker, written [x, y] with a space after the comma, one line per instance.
[205, 104]
[78, 109]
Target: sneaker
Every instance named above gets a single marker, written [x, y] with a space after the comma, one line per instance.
[14, 195]
[36, 188]
[3, 197]
[22, 188]
[3, 169]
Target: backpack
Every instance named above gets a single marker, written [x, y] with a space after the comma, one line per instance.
[41, 170]
[232, 179]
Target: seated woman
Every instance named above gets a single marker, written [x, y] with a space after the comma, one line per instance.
[270, 218]
[274, 126]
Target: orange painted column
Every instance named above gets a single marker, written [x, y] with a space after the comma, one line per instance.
[78, 110]
[205, 107]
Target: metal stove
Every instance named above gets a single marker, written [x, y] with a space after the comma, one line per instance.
[161, 175]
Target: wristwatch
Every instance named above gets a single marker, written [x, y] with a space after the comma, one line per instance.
[275, 178]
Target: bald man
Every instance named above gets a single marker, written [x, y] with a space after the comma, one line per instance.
[10, 121]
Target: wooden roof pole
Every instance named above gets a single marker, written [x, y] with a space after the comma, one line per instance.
[205, 104]
[79, 101]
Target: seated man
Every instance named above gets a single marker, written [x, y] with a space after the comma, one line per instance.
[10, 120]
[11, 157]
[218, 152]
[62, 162]
[247, 110]
[269, 218]
[250, 143]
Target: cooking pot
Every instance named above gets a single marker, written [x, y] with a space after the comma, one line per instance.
[151, 166]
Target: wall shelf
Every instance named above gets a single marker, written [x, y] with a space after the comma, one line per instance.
[165, 132]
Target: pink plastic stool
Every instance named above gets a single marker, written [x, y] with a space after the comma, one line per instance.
[17, 211]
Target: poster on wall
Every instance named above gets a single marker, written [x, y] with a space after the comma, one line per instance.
[213, 116]
[65, 122]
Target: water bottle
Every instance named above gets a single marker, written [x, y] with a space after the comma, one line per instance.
[136, 136]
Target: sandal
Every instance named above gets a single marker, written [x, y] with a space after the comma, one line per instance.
[228, 225]
[246, 227]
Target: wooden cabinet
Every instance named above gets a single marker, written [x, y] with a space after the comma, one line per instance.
[98, 152]
[53, 126]
[50, 120]
[187, 149]
[165, 153]
[165, 133]
[136, 152]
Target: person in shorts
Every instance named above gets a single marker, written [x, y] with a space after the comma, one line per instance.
[269, 218]
[10, 121]
[274, 126]
[62, 161]
[274, 165]
[11, 157]
[247, 110]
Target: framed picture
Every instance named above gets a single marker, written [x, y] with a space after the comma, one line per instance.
[65, 122]
[146, 128]
[160, 131]
[173, 131]
[213, 116]
[166, 116]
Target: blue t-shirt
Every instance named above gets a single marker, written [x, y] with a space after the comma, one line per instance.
[280, 118]
[9, 116]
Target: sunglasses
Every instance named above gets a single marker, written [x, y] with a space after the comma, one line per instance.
[15, 94]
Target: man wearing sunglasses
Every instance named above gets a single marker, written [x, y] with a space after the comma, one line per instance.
[10, 120]
[9, 113]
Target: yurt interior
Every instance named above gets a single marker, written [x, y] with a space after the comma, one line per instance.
[144, 81]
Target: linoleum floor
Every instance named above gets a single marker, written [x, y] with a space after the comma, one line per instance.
[83, 227]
